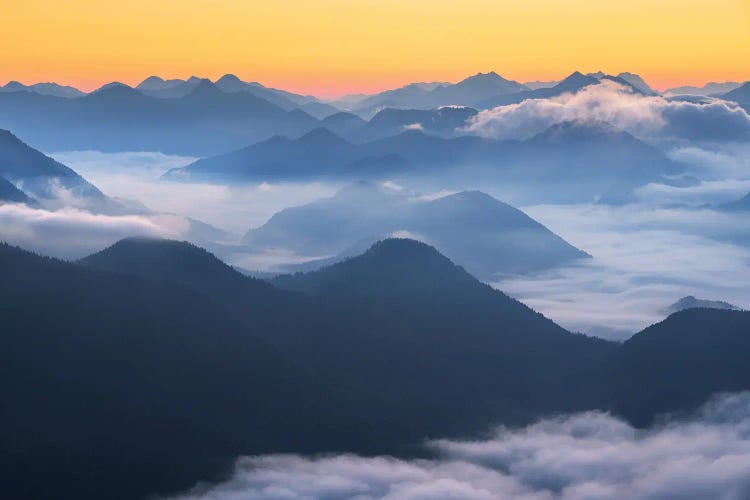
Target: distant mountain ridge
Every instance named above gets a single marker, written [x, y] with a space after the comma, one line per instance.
[49, 88]
[119, 118]
[571, 84]
[567, 154]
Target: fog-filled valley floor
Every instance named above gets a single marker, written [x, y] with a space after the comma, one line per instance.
[219, 290]
[634, 274]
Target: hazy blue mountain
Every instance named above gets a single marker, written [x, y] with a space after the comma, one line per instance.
[690, 302]
[709, 89]
[467, 92]
[473, 229]
[342, 123]
[285, 100]
[535, 85]
[390, 121]
[637, 82]
[589, 159]
[39, 175]
[157, 83]
[569, 162]
[740, 95]
[119, 118]
[474, 89]
[319, 153]
[11, 194]
[168, 89]
[677, 364]
[571, 84]
[319, 110]
[52, 89]
[408, 96]
[228, 82]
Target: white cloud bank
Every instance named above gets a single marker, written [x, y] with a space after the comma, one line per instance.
[644, 259]
[646, 117]
[71, 233]
[586, 456]
[136, 176]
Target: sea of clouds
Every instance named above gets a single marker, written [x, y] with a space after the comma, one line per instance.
[646, 117]
[584, 456]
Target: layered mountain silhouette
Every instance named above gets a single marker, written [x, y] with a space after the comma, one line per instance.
[137, 364]
[691, 302]
[442, 121]
[569, 162]
[473, 229]
[467, 92]
[569, 85]
[49, 88]
[319, 153]
[206, 120]
[710, 89]
[638, 82]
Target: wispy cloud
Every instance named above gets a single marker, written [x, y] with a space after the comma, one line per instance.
[236, 209]
[644, 258]
[71, 233]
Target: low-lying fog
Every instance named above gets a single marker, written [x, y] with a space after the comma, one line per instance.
[646, 255]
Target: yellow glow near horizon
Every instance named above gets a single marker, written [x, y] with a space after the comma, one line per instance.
[332, 47]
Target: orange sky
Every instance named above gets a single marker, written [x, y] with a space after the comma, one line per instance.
[331, 47]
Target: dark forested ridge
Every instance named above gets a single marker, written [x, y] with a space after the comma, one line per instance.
[152, 364]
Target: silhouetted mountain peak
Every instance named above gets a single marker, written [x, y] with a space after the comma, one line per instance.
[170, 260]
[484, 77]
[151, 81]
[578, 78]
[229, 78]
[111, 88]
[404, 250]
[205, 87]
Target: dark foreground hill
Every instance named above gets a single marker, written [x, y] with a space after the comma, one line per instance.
[119, 386]
[116, 387]
[677, 364]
